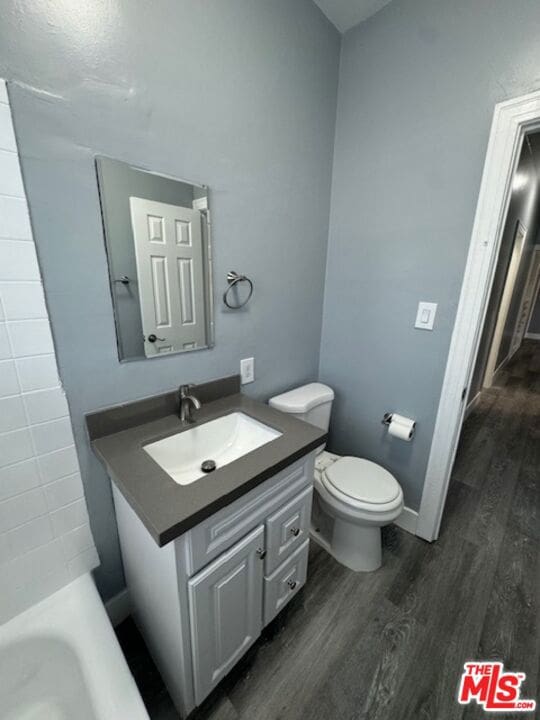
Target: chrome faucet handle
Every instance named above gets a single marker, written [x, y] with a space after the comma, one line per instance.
[186, 389]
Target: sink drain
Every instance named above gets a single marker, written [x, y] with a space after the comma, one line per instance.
[208, 466]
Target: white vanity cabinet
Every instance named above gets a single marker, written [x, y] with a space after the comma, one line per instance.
[202, 600]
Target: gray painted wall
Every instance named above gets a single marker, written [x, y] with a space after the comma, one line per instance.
[237, 94]
[524, 208]
[418, 84]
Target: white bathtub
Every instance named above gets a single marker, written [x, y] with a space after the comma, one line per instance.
[60, 660]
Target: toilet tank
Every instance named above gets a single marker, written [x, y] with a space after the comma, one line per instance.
[312, 403]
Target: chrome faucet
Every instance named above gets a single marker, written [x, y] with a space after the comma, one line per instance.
[186, 403]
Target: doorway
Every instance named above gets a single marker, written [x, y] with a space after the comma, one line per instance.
[500, 251]
[512, 297]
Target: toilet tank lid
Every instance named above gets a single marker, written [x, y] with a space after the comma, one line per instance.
[302, 399]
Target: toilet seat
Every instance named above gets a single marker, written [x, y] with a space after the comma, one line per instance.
[363, 480]
[362, 484]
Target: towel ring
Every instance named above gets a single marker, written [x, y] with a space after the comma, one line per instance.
[233, 278]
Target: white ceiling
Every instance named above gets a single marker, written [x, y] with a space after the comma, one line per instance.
[345, 14]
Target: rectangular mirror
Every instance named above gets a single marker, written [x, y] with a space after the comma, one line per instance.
[157, 237]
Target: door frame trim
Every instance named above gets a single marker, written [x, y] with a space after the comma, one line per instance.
[512, 119]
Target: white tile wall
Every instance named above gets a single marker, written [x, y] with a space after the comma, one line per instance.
[18, 260]
[58, 464]
[12, 415]
[45, 537]
[5, 348]
[11, 183]
[22, 508]
[50, 436]
[63, 492]
[45, 405]
[14, 219]
[23, 300]
[31, 535]
[18, 478]
[69, 517]
[7, 136]
[15, 447]
[37, 373]
[30, 337]
[9, 382]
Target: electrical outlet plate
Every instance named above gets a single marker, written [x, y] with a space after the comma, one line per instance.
[247, 370]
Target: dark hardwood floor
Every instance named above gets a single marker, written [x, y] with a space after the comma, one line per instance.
[391, 645]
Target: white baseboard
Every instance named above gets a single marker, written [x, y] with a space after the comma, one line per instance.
[408, 520]
[532, 336]
[118, 607]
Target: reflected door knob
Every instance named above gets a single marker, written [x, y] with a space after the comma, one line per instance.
[124, 280]
[152, 338]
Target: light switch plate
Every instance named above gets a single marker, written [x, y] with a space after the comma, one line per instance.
[247, 370]
[425, 317]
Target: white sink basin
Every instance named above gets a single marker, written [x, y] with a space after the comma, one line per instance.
[222, 440]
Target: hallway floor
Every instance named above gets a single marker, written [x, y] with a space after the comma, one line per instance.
[391, 645]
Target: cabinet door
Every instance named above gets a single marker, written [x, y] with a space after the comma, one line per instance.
[225, 602]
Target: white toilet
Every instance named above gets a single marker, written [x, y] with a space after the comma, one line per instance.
[353, 498]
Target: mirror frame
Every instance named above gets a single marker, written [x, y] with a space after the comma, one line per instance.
[208, 264]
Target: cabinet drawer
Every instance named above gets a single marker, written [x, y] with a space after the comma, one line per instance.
[285, 582]
[221, 530]
[287, 529]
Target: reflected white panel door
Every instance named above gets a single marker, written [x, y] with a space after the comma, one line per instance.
[504, 307]
[169, 253]
[527, 301]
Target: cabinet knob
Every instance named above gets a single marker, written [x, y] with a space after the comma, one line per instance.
[261, 552]
[292, 584]
[295, 531]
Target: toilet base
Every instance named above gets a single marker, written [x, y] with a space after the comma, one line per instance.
[360, 550]
[357, 547]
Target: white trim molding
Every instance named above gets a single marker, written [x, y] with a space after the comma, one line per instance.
[511, 120]
[408, 520]
[200, 203]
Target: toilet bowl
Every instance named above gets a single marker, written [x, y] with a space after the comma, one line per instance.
[354, 498]
[360, 497]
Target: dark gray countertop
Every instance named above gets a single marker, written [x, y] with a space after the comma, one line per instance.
[168, 509]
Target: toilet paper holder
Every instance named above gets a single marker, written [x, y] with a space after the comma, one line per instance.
[405, 427]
